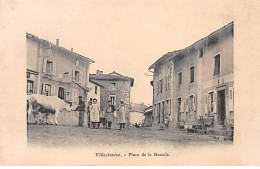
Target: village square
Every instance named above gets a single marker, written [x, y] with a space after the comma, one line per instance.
[192, 89]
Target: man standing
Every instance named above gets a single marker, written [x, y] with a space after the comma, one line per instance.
[81, 109]
[88, 113]
[121, 115]
[110, 113]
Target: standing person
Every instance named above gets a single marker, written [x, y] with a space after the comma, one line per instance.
[110, 113]
[94, 114]
[88, 113]
[121, 115]
[81, 109]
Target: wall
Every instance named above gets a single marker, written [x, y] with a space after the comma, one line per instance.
[32, 53]
[91, 93]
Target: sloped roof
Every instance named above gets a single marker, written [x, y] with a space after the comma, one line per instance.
[176, 53]
[164, 58]
[96, 82]
[111, 76]
[62, 48]
[135, 107]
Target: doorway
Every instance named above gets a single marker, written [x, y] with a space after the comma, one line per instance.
[221, 107]
[179, 110]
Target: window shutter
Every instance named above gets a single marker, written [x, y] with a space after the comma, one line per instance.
[187, 105]
[43, 88]
[52, 90]
[44, 65]
[194, 103]
[231, 99]
[73, 75]
[54, 68]
[80, 77]
[206, 104]
[215, 102]
[182, 107]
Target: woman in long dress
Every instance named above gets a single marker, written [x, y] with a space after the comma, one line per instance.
[121, 115]
[94, 114]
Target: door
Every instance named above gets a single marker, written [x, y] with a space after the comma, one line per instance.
[159, 112]
[61, 93]
[179, 110]
[163, 111]
[221, 107]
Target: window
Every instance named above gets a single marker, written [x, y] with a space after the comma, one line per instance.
[49, 67]
[66, 75]
[113, 100]
[95, 89]
[191, 103]
[216, 65]
[161, 85]
[192, 74]
[28, 75]
[201, 53]
[76, 76]
[179, 79]
[61, 93]
[47, 89]
[77, 62]
[112, 87]
[29, 87]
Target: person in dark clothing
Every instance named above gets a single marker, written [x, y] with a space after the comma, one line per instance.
[81, 109]
[88, 113]
[110, 113]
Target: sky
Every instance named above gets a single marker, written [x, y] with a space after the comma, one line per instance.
[123, 36]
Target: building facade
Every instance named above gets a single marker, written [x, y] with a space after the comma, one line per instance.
[55, 71]
[201, 77]
[94, 91]
[116, 87]
[148, 117]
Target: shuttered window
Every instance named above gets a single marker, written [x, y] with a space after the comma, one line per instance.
[216, 65]
[179, 79]
[192, 74]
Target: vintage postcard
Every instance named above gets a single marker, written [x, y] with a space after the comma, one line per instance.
[129, 83]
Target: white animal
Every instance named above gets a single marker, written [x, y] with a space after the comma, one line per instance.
[49, 105]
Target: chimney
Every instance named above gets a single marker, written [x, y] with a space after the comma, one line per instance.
[71, 49]
[57, 42]
[99, 72]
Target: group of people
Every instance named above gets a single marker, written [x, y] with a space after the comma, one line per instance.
[95, 116]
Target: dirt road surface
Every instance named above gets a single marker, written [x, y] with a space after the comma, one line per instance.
[52, 135]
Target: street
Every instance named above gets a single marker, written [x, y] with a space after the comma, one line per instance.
[52, 135]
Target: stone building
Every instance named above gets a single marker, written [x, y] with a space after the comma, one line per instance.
[115, 87]
[201, 82]
[55, 71]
